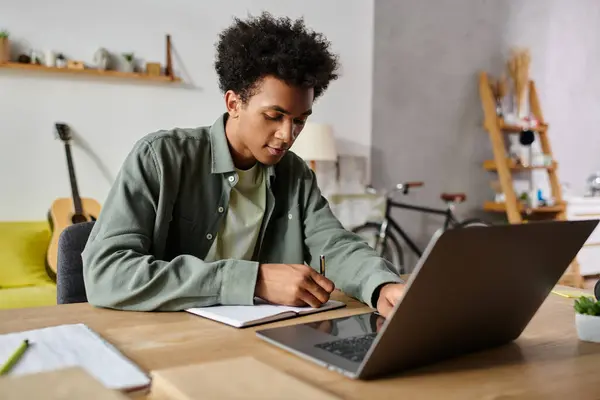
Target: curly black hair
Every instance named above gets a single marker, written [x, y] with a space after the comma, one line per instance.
[262, 46]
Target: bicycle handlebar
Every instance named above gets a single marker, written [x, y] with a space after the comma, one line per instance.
[412, 184]
[400, 187]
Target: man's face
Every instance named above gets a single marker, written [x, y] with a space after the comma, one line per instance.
[271, 120]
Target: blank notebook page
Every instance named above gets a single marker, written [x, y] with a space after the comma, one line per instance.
[244, 315]
[72, 345]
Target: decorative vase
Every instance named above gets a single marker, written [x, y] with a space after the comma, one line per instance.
[4, 50]
[128, 66]
[50, 59]
[127, 62]
[36, 57]
[588, 327]
[102, 59]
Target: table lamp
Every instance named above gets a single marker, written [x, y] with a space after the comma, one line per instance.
[315, 143]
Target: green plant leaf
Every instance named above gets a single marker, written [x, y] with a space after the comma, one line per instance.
[587, 305]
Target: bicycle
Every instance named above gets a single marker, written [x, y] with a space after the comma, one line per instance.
[387, 245]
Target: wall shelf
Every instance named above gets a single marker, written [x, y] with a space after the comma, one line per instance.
[137, 76]
[508, 128]
[490, 165]
[501, 207]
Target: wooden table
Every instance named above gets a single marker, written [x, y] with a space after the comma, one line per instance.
[547, 361]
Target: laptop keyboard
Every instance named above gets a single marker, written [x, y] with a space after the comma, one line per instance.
[353, 348]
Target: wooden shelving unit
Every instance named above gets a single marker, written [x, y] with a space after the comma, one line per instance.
[501, 164]
[89, 72]
[516, 212]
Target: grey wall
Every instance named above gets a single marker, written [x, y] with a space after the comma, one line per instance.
[427, 117]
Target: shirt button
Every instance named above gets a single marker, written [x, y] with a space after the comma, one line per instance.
[209, 236]
[231, 179]
[289, 216]
[220, 209]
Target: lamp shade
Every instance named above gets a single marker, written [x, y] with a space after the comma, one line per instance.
[316, 143]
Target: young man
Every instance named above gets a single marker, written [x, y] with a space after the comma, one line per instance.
[221, 214]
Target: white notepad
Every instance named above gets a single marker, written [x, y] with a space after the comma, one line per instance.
[64, 346]
[259, 313]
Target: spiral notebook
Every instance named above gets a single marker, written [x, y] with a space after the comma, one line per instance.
[259, 313]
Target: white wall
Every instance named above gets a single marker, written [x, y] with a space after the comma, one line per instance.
[572, 96]
[108, 117]
[563, 38]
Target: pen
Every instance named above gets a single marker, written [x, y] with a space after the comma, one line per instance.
[14, 357]
[561, 294]
[567, 295]
[322, 269]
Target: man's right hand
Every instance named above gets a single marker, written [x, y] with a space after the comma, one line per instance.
[292, 285]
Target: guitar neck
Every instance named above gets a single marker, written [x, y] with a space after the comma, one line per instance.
[74, 188]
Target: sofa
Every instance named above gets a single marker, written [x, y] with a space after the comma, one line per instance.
[24, 281]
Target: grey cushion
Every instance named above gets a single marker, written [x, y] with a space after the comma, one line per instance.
[69, 277]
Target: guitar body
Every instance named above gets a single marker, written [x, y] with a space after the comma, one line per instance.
[61, 216]
[67, 211]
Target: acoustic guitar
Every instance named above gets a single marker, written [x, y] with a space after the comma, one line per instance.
[67, 211]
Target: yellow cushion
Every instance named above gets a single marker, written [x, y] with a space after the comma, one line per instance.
[30, 296]
[23, 253]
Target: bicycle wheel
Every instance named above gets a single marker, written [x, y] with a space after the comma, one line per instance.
[389, 250]
[471, 222]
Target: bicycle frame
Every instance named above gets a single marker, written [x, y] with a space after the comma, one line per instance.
[447, 213]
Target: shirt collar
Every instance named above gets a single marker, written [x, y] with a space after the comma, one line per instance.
[222, 162]
[221, 157]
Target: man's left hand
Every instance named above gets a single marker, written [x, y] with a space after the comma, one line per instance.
[389, 295]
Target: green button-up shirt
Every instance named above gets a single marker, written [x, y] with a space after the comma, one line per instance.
[164, 210]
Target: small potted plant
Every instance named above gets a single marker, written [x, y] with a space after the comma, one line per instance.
[61, 60]
[129, 62]
[4, 47]
[587, 319]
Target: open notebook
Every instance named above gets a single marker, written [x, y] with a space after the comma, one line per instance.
[259, 313]
[75, 345]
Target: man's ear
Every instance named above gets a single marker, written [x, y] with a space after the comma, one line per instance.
[233, 103]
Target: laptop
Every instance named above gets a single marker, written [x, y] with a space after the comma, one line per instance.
[474, 288]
